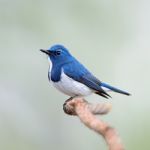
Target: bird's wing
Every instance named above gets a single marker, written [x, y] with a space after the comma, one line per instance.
[78, 72]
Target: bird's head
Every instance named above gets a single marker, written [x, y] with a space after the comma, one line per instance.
[57, 54]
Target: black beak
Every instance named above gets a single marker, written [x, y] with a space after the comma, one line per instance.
[45, 51]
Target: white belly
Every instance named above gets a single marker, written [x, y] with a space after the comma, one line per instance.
[71, 87]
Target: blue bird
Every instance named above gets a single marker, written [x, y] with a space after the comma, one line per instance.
[69, 76]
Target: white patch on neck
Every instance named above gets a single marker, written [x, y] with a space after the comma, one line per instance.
[50, 65]
[49, 69]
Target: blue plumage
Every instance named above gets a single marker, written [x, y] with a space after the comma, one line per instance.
[56, 73]
[78, 72]
[71, 77]
[114, 88]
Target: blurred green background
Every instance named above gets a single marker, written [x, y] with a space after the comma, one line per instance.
[111, 37]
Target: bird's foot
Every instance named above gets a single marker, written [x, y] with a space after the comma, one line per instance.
[68, 108]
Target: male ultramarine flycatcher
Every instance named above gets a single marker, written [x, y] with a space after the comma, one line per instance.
[69, 76]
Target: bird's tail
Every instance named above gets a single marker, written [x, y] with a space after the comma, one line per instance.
[114, 89]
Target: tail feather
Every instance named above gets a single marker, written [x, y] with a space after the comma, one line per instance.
[114, 89]
[103, 94]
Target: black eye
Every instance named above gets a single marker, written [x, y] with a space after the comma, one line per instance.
[58, 52]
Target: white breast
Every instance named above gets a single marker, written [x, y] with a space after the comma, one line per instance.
[71, 87]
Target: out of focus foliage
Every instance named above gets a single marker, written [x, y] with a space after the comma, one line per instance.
[111, 37]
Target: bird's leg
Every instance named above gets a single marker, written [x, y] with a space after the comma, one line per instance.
[66, 108]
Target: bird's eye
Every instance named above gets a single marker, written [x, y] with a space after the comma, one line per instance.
[58, 52]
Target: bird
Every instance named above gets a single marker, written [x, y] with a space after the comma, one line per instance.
[70, 77]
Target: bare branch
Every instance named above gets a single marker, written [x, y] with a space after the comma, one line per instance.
[86, 111]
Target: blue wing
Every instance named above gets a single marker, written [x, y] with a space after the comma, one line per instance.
[78, 72]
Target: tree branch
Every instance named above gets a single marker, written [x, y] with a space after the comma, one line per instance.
[86, 111]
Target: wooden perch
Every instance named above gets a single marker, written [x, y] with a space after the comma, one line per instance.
[86, 112]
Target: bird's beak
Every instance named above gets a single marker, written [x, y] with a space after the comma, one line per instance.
[45, 51]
